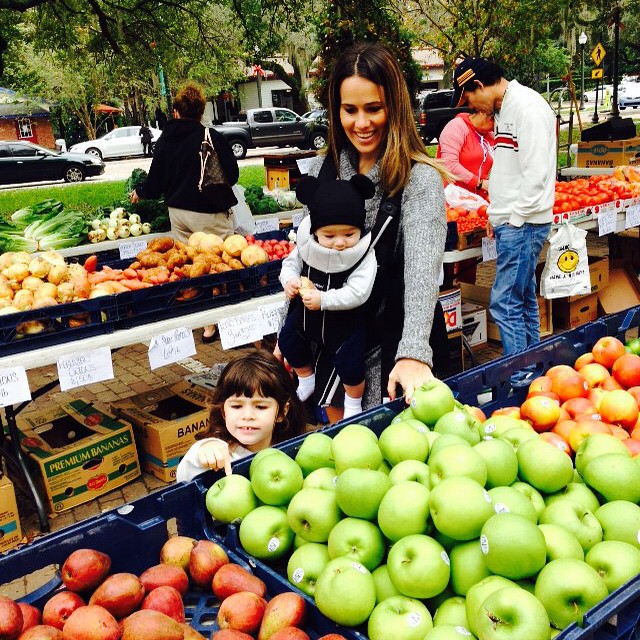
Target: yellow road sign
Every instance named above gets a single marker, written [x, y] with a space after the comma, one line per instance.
[596, 73]
[598, 54]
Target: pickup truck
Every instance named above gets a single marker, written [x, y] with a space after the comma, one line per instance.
[434, 112]
[273, 127]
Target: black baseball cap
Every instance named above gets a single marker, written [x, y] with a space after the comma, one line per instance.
[467, 72]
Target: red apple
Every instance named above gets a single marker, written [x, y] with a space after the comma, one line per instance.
[545, 394]
[541, 412]
[59, 607]
[586, 428]
[476, 412]
[633, 445]
[563, 428]
[619, 407]
[542, 383]
[635, 433]
[514, 412]
[595, 374]
[584, 359]
[626, 370]
[635, 392]
[570, 385]
[619, 432]
[31, 616]
[10, 619]
[595, 396]
[578, 406]
[559, 369]
[610, 384]
[607, 350]
[557, 441]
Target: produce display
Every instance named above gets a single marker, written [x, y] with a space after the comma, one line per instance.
[95, 604]
[467, 219]
[261, 203]
[119, 224]
[518, 522]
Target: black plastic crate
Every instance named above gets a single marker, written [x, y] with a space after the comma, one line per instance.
[267, 278]
[60, 323]
[183, 297]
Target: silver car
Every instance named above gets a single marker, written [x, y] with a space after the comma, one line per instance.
[629, 95]
[121, 142]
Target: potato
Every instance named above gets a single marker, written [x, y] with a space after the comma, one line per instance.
[253, 255]
[32, 283]
[234, 245]
[305, 285]
[46, 290]
[6, 291]
[23, 299]
[195, 239]
[211, 243]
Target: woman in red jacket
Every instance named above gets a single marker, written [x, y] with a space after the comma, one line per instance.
[466, 149]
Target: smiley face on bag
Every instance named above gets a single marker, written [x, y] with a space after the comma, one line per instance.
[568, 261]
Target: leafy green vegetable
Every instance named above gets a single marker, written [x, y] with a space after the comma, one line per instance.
[17, 242]
[45, 209]
[138, 176]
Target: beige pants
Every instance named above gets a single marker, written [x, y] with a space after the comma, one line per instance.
[185, 222]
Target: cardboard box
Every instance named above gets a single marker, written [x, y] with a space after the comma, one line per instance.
[569, 313]
[451, 301]
[609, 153]
[166, 421]
[623, 291]
[474, 324]
[454, 366]
[277, 178]
[480, 294]
[10, 534]
[80, 451]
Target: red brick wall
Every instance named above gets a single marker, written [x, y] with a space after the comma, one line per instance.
[42, 131]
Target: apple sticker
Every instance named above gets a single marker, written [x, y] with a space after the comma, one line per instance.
[463, 631]
[298, 575]
[501, 508]
[484, 544]
[445, 558]
[487, 497]
[413, 619]
[274, 543]
[358, 567]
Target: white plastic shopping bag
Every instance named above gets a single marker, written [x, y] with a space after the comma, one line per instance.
[566, 271]
[459, 197]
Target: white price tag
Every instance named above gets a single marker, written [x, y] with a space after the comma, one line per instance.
[632, 218]
[303, 165]
[81, 368]
[296, 219]
[263, 225]
[272, 317]
[131, 249]
[171, 346]
[489, 251]
[240, 330]
[607, 222]
[14, 386]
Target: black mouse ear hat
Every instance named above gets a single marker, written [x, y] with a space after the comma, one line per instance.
[336, 201]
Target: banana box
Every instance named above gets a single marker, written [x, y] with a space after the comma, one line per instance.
[80, 451]
[166, 422]
[10, 534]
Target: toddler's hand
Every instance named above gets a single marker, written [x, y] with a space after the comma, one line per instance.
[292, 287]
[311, 299]
[215, 455]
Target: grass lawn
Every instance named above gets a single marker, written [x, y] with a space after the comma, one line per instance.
[87, 196]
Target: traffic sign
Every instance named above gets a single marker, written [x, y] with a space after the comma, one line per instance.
[598, 54]
[596, 73]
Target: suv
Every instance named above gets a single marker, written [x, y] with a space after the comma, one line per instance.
[434, 112]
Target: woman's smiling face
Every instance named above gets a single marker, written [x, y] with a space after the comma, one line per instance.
[363, 115]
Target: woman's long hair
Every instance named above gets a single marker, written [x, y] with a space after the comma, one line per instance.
[262, 373]
[403, 144]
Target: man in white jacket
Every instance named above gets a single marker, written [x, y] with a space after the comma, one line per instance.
[521, 191]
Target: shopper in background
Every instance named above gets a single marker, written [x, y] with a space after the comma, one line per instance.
[176, 170]
[465, 147]
[373, 132]
[254, 406]
[145, 138]
[521, 191]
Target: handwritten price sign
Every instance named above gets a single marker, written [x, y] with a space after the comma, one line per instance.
[14, 386]
[171, 346]
[81, 368]
[241, 329]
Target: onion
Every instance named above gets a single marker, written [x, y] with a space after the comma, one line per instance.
[5, 311]
[57, 273]
[6, 292]
[46, 290]
[23, 299]
[40, 302]
[39, 267]
[146, 227]
[21, 257]
[17, 271]
[32, 283]
[6, 260]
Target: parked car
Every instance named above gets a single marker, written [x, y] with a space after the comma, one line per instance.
[273, 127]
[22, 161]
[434, 112]
[629, 95]
[318, 115]
[120, 142]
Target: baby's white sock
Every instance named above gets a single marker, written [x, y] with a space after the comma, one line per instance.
[352, 406]
[306, 386]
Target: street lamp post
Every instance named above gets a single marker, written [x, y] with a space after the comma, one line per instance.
[582, 39]
[257, 68]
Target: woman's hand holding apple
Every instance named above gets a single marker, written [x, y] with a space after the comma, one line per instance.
[409, 374]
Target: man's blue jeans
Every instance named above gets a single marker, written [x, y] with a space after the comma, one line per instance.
[514, 306]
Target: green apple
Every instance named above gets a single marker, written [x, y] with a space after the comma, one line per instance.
[620, 520]
[452, 611]
[544, 466]
[431, 401]
[501, 461]
[384, 586]
[467, 566]
[400, 441]
[510, 500]
[596, 445]
[419, 426]
[405, 414]
[358, 539]
[516, 436]
[615, 476]
[533, 495]
[578, 492]
[576, 519]
[231, 498]
[312, 513]
[410, 470]
[323, 478]
[399, 617]
[459, 507]
[265, 533]
[404, 510]
[298, 541]
[356, 448]
[360, 491]
[263, 453]
[512, 613]
[496, 425]
[616, 562]
[478, 593]
[345, 592]
[449, 632]
[276, 479]
[418, 566]
[457, 460]
[513, 546]
[442, 440]
[568, 588]
[314, 453]
[384, 468]
[560, 543]
[305, 565]
[460, 423]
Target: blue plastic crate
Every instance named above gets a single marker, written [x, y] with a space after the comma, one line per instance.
[133, 536]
